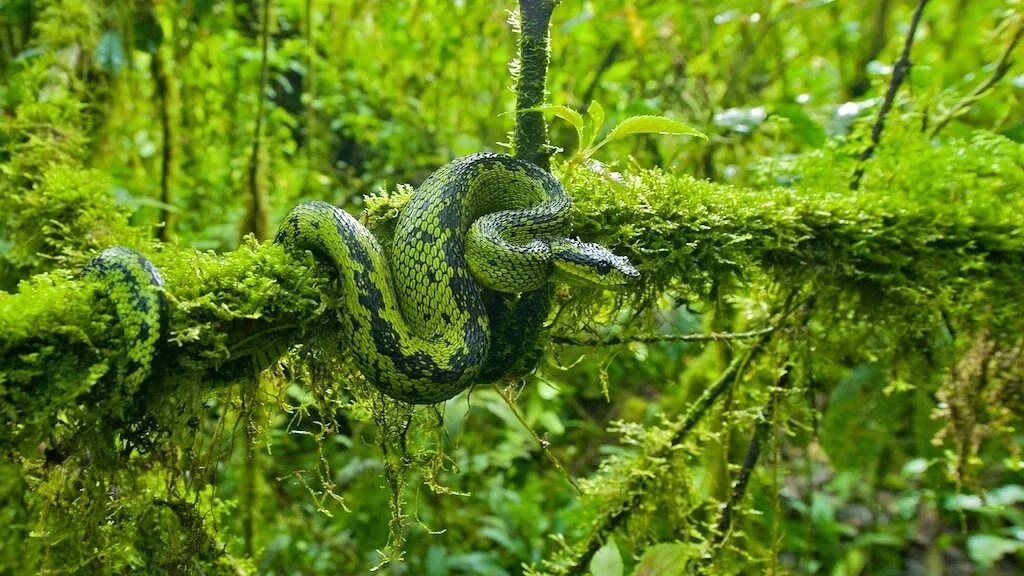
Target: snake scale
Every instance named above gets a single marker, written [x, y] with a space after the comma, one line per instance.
[416, 320]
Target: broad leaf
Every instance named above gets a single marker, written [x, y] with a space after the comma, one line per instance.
[596, 114]
[987, 549]
[664, 560]
[564, 112]
[652, 125]
[607, 561]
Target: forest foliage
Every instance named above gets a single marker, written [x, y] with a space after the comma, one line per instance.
[819, 372]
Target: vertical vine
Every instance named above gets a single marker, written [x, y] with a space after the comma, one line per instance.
[167, 101]
[529, 72]
[257, 218]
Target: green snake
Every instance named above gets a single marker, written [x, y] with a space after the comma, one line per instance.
[416, 320]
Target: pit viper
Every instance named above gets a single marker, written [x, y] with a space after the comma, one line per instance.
[415, 319]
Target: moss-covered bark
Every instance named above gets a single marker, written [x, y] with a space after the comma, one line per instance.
[906, 267]
[530, 137]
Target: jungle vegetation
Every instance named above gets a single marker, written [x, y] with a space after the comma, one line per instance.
[820, 371]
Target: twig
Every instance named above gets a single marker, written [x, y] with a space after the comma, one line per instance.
[751, 459]
[693, 416]
[899, 72]
[257, 219]
[310, 85]
[166, 99]
[656, 338]
[540, 441]
[1002, 67]
[530, 138]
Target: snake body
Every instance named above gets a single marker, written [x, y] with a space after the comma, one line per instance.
[418, 325]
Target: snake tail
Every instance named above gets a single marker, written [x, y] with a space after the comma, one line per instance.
[135, 288]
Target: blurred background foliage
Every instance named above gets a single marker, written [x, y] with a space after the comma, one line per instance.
[894, 447]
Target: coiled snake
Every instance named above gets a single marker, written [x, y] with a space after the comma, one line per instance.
[417, 326]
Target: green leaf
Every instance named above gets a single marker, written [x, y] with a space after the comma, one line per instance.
[607, 561]
[804, 127]
[551, 422]
[987, 549]
[596, 115]
[564, 112]
[860, 420]
[652, 125]
[664, 560]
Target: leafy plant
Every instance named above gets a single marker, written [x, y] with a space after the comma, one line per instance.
[588, 128]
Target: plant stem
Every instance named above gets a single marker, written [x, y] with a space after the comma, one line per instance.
[166, 100]
[693, 416]
[257, 220]
[530, 138]
[1002, 67]
[656, 338]
[751, 459]
[543, 444]
[899, 72]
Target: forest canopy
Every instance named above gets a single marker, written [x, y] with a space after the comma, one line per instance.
[818, 371]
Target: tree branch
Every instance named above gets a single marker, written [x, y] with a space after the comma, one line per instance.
[257, 219]
[167, 100]
[656, 338]
[541, 443]
[635, 493]
[530, 137]
[899, 72]
[751, 459]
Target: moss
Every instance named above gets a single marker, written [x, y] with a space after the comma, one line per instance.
[895, 250]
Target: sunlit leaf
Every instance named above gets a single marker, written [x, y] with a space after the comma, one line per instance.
[564, 112]
[607, 561]
[664, 560]
[652, 125]
[596, 115]
[987, 549]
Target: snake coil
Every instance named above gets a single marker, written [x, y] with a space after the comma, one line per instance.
[418, 325]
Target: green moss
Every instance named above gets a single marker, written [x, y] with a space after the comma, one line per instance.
[937, 240]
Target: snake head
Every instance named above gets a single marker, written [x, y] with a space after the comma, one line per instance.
[579, 262]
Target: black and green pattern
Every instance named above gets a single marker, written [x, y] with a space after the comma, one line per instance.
[418, 325]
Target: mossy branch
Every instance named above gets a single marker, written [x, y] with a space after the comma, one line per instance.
[530, 138]
[898, 267]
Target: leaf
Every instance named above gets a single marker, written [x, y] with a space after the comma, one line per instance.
[596, 115]
[646, 124]
[607, 561]
[564, 112]
[551, 422]
[860, 421]
[1007, 495]
[664, 560]
[987, 549]
[804, 127]
[652, 125]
